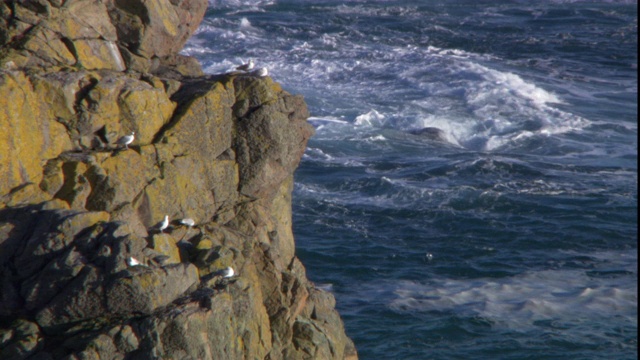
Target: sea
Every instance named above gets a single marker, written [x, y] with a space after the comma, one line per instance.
[505, 230]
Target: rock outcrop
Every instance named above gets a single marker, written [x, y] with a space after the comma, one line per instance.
[431, 133]
[76, 207]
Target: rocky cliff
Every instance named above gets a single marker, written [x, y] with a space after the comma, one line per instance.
[76, 206]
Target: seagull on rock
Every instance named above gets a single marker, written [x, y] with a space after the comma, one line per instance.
[228, 272]
[126, 140]
[131, 261]
[246, 67]
[260, 72]
[187, 222]
[164, 224]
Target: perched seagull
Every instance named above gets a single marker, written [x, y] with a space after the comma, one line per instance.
[187, 222]
[126, 140]
[131, 261]
[261, 72]
[164, 224]
[228, 272]
[246, 67]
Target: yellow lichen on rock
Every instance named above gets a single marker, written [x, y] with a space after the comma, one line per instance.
[83, 220]
[165, 12]
[280, 212]
[166, 245]
[61, 91]
[49, 47]
[29, 137]
[98, 54]
[83, 20]
[202, 127]
[116, 180]
[146, 108]
[123, 104]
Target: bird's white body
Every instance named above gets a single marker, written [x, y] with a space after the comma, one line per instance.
[188, 222]
[228, 272]
[127, 139]
[131, 261]
[261, 72]
[246, 67]
[165, 223]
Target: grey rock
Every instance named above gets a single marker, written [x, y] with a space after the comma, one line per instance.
[431, 133]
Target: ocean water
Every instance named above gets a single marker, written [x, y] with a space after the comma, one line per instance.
[511, 236]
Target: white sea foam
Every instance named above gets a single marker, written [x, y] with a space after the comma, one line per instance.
[239, 4]
[494, 108]
[404, 194]
[321, 120]
[453, 129]
[477, 103]
[245, 23]
[497, 83]
[311, 189]
[518, 302]
[325, 287]
[371, 118]
[403, 189]
[475, 106]
[375, 11]
[316, 154]
[380, 139]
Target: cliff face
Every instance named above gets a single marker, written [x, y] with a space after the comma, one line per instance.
[75, 205]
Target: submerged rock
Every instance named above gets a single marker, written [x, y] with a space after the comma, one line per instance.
[431, 133]
[75, 206]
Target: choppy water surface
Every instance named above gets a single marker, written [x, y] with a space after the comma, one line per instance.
[513, 236]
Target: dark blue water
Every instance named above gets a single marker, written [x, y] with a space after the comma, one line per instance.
[514, 235]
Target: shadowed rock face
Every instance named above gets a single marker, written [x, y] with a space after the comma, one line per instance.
[75, 206]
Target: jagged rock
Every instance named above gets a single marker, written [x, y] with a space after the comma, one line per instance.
[96, 34]
[325, 328]
[167, 246]
[81, 300]
[53, 233]
[20, 341]
[21, 148]
[74, 206]
[40, 289]
[175, 66]
[266, 120]
[156, 28]
[76, 33]
[126, 339]
[143, 289]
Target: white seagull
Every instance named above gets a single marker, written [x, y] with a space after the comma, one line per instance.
[228, 272]
[131, 261]
[246, 67]
[261, 72]
[187, 222]
[165, 223]
[126, 140]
